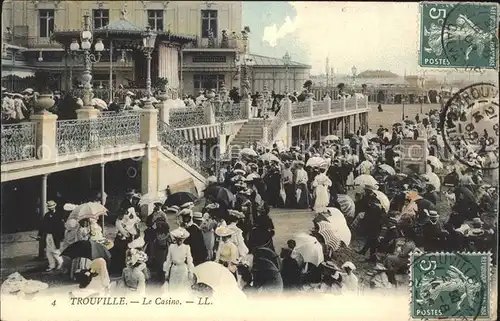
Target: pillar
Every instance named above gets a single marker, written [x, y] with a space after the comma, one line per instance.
[149, 163]
[164, 109]
[309, 132]
[87, 113]
[247, 107]
[46, 132]
[342, 120]
[43, 198]
[344, 106]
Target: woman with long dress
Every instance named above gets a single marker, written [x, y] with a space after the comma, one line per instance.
[179, 266]
[207, 227]
[94, 282]
[321, 184]
[133, 278]
[302, 192]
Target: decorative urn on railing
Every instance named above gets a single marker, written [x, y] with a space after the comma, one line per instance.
[45, 98]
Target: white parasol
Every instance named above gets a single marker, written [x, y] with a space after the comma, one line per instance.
[434, 161]
[330, 138]
[433, 179]
[365, 167]
[364, 179]
[269, 157]
[384, 200]
[215, 275]
[388, 169]
[315, 161]
[152, 197]
[309, 248]
[99, 103]
[88, 210]
[248, 151]
[339, 225]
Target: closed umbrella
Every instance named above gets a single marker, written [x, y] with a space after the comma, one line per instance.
[309, 249]
[214, 275]
[388, 169]
[91, 210]
[248, 151]
[270, 157]
[315, 161]
[87, 249]
[434, 161]
[179, 198]
[365, 179]
[151, 198]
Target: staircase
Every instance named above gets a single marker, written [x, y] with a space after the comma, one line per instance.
[250, 132]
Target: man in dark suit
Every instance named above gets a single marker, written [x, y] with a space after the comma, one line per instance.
[195, 240]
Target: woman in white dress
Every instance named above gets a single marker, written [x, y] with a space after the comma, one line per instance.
[179, 266]
[321, 184]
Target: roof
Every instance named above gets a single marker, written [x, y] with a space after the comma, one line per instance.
[263, 61]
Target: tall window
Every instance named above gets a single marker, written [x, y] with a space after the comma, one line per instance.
[208, 22]
[155, 19]
[100, 17]
[205, 82]
[46, 26]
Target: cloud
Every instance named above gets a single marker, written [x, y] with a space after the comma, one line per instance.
[272, 34]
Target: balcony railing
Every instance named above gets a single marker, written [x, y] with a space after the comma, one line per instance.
[84, 135]
[18, 142]
[187, 117]
[230, 112]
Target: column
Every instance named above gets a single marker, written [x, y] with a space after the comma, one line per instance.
[355, 128]
[320, 127]
[309, 133]
[149, 163]
[289, 135]
[43, 198]
[342, 120]
[329, 132]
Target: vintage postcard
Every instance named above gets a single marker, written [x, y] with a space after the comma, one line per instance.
[249, 160]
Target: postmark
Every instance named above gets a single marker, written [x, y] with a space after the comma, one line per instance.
[469, 125]
[450, 285]
[459, 35]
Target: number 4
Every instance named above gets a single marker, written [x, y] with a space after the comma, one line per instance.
[53, 303]
[441, 13]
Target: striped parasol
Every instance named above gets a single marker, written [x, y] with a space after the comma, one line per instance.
[326, 231]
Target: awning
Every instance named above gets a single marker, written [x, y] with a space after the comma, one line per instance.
[200, 132]
[18, 73]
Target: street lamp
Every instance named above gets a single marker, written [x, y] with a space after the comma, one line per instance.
[88, 59]
[286, 60]
[148, 45]
[354, 72]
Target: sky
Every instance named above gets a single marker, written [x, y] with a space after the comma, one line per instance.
[366, 35]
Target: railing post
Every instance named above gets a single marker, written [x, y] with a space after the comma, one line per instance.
[344, 105]
[356, 101]
[366, 101]
[310, 104]
[83, 113]
[148, 124]
[164, 110]
[328, 103]
[46, 135]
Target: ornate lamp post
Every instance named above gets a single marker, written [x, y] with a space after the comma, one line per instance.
[88, 59]
[354, 73]
[286, 60]
[148, 45]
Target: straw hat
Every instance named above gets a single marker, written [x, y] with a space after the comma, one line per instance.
[197, 216]
[223, 231]
[240, 185]
[236, 214]
[433, 214]
[212, 206]
[239, 172]
[173, 209]
[246, 191]
[69, 207]
[179, 233]
[129, 93]
[51, 204]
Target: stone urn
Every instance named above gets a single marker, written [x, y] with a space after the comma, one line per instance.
[44, 102]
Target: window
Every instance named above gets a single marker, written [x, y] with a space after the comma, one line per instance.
[46, 26]
[208, 22]
[100, 17]
[155, 19]
[204, 82]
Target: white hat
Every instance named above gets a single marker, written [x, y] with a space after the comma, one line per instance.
[223, 231]
[236, 214]
[71, 224]
[179, 233]
[173, 209]
[211, 179]
[212, 206]
[198, 215]
[239, 171]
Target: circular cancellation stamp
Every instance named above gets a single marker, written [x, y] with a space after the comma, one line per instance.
[450, 286]
[469, 125]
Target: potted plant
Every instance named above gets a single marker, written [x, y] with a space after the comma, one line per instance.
[45, 99]
[161, 88]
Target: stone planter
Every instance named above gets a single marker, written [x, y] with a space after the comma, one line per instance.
[162, 96]
[43, 103]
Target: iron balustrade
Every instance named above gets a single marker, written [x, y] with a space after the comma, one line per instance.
[300, 110]
[18, 142]
[185, 150]
[85, 135]
[230, 112]
[182, 117]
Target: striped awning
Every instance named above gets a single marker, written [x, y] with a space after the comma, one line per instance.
[200, 132]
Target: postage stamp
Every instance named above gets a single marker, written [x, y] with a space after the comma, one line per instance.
[450, 285]
[469, 125]
[458, 35]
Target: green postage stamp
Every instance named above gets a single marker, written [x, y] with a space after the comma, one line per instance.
[458, 35]
[450, 285]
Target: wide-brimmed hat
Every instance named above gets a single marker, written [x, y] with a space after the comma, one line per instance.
[379, 267]
[18, 95]
[223, 231]
[476, 222]
[240, 185]
[197, 216]
[246, 191]
[179, 233]
[433, 214]
[239, 172]
[173, 209]
[252, 177]
[349, 265]
[185, 212]
[51, 204]
[212, 206]
[187, 205]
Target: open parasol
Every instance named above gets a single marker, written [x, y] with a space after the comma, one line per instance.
[365, 179]
[248, 151]
[87, 249]
[214, 275]
[270, 158]
[88, 210]
[388, 169]
[384, 200]
[315, 161]
[434, 161]
[347, 206]
[325, 229]
[433, 179]
[220, 195]
[99, 103]
[180, 198]
[309, 248]
[151, 198]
